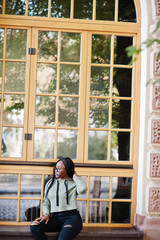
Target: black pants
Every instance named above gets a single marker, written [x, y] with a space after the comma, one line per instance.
[68, 223]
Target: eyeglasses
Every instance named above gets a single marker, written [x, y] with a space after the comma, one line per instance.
[58, 169]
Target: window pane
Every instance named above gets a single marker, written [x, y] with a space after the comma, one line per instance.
[101, 48]
[120, 45]
[121, 187]
[46, 150]
[1, 69]
[60, 8]
[1, 6]
[68, 111]
[126, 11]
[122, 82]
[8, 210]
[13, 140]
[47, 46]
[105, 10]
[29, 210]
[13, 112]
[38, 8]
[69, 79]
[1, 42]
[8, 185]
[97, 145]
[45, 111]
[83, 9]
[121, 113]
[121, 212]
[15, 76]
[70, 47]
[15, 7]
[120, 146]
[82, 207]
[30, 185]
[100, 81]
[98, 212]
[16, 45]
[67, 143]
[99, 187]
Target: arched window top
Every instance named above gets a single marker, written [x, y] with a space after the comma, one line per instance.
[103, 10]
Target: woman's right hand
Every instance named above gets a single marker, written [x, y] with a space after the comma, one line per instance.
[41, 219]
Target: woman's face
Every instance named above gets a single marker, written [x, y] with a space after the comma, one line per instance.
[60, 171]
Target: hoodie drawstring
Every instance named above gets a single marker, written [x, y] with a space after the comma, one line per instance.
[66, 191]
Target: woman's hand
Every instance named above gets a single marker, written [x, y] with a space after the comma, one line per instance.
[41, 219]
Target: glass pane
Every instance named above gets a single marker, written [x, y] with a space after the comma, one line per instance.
[83, 195]
[8, 185]
[30, 185]
[1, 6]
[121, 113]
[13, 112]
[120, 146]
[120, 45]
[38, 8]
[70, 47]
[99, 113]
[122, 82]
[29, 210]
[16, 45]
[46, 150]
[1, 42]
[45, 111]
[99, 187]
[60, 8]
[13, 140]
[67, 143]
[15, 75]
[83, 9]
[100, 81]
[105, 10]
[121, 212]
[1, 69]
[97, 145]
[98, 212]
[0, 108]
[15, 7]
[47, 45]
[68, 111]
[82, 207]
[46, 78]
[101, 48]
[121, 187]
[69, 79]
[8, 210]
[126, 11]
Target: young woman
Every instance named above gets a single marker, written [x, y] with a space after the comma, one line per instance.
[60, 212]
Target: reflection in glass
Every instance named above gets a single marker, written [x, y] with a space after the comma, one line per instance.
[13, 140]
[8, 185]
[120, 45]
[120, 146]
[100, 81]
[105, 10]
[67, 143]
[121, 187]
[68, 111]
[1, 42]
[38, 8]
[126, 11]
[29, 210]
[1, 6]
[70, 47]
[82, 208]
[47, 45]
[121, 113]
[41, 150]
[98, 212]
[99, 187]
[83, 9]
[15, 7]
[16, 44]
[83, 195]
[1, 69]
[97, 145]
[60, 8]
[46, 78]
[15, 75]
[30, 185]
[8, 210]
[0, 107]
[121, 212]
[13, 111]
[45, 111]
[101, 48]
[122, 82]
[99, 113]
[69, 79]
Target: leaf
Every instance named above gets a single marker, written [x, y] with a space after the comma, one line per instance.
[157, 27]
